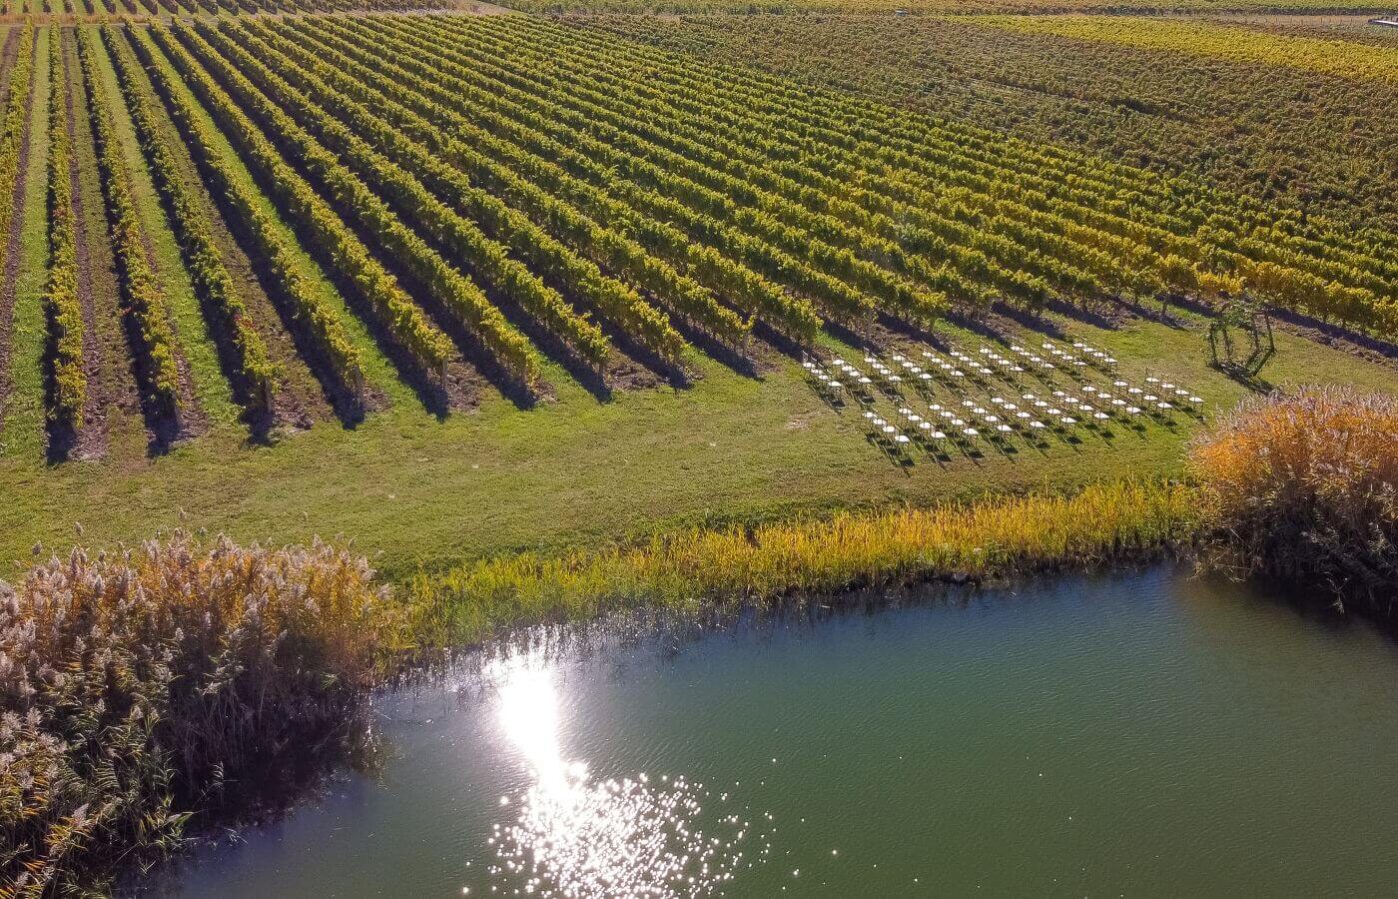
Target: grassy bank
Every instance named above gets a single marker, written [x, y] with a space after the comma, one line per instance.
[730, 567]
[419, 492]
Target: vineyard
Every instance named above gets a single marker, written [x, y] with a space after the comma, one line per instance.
[940, 7]
[295, 248]
[524, 313]
[1287, 135]
[142, 9]
[1342, 58]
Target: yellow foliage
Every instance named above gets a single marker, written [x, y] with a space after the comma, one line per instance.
[737, 565]
[1306, 485]
[1346, 59]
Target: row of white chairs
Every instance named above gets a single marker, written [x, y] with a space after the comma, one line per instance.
[919, 376]
[995, 418]
[1036, 362]
[1158, 396]
[890, 433]
[858, 381]
[829, 386]
[882, 373]
[1094, 356]
[1001, 363]
[1158, 390]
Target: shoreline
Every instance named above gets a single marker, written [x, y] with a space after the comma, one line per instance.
[208, 659]
[648, 633]
[710, 570]
[586, 647]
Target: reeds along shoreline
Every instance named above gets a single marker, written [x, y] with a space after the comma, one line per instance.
[708, 569]
[135, 684]
[1304, 486]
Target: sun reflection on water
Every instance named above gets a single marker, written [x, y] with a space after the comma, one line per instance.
[577, 837]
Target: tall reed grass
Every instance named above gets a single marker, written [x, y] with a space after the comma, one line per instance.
[737, 566]
[134, 686]
[1304, 486]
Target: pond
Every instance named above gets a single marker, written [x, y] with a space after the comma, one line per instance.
[1141, 733]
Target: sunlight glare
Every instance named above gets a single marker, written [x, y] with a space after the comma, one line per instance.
[577, 838]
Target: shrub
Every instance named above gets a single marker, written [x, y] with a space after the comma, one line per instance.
[1305, 486]
[134, 686]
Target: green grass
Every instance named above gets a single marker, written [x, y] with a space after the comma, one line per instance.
[24, 419]
[415, 492]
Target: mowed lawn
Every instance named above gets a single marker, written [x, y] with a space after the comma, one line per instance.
[414, 491]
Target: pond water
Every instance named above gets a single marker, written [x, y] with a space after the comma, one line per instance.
[1146, 734]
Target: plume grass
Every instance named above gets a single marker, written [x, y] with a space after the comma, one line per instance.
[1304, 486]
[135, 685]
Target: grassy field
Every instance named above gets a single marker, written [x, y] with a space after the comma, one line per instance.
[415, 491]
